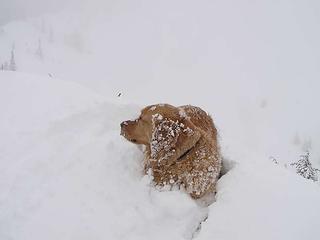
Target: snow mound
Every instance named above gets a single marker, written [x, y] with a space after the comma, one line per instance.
[263, 201]
[65, 173]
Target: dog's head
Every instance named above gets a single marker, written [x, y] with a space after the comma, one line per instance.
[162, 127]
[139, 131]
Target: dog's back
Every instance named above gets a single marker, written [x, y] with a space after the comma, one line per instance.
[200, 119]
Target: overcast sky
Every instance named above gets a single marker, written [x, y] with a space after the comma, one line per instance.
[19, 9]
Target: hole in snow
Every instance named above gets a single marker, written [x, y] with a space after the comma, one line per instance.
[227, 165]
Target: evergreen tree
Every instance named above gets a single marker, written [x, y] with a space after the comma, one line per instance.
[12, 66]
[43, 26]
[304, 168]
[51, 35]
[5, 66]
[39, 52]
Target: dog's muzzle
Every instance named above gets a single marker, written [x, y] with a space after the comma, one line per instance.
[123, 126]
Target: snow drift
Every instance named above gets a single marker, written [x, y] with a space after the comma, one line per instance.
[67, 174]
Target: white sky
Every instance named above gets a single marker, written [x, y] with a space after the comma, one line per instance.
[17, 9]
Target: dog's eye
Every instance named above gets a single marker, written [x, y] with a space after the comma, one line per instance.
[138, 119]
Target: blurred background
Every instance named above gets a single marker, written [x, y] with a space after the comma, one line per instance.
[254, 65]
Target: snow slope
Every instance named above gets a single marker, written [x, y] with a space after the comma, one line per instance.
[253, 66]
[67, 174]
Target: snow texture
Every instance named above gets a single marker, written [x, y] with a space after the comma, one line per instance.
[67, 174]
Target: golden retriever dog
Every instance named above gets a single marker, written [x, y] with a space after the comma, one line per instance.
[181, 147]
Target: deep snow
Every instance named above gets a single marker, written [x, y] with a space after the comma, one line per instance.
[65, 172]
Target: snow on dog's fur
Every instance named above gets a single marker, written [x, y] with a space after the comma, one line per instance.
[181, 147]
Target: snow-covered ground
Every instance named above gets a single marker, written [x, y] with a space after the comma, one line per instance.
[66, 173]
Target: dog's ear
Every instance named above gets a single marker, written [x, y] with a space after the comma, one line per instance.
[171, 138]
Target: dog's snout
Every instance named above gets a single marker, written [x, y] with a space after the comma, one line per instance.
[124, 127]
[125, 123]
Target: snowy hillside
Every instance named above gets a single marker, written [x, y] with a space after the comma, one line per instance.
[65, 171]
[254, 67]
[67, 174]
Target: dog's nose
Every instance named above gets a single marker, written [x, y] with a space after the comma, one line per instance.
[125, 123]
[122, 126]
